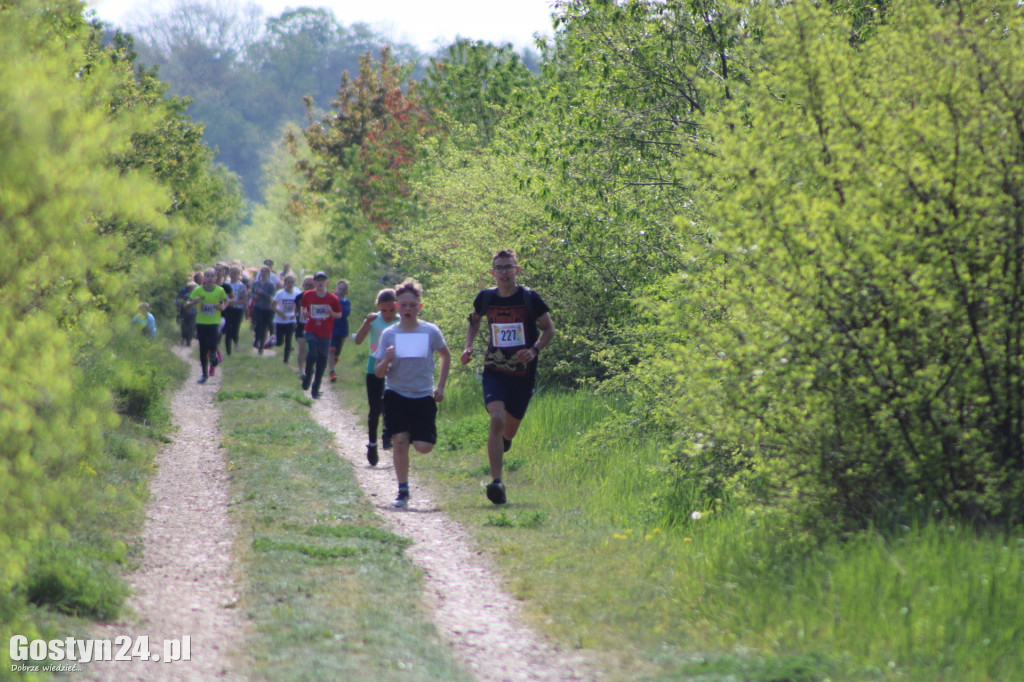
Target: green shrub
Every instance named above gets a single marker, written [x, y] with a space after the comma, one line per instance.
[853, 340]
[70, 581]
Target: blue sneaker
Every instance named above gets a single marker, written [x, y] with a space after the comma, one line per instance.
[402, 500]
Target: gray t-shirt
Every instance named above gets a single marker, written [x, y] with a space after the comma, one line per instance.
[411, 373]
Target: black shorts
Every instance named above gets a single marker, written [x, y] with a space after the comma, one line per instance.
[515, 392]
[415, 416]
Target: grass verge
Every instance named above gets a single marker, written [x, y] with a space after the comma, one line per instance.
[721, 596]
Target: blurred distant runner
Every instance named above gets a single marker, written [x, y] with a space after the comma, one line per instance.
[212, 299]
[321, 309]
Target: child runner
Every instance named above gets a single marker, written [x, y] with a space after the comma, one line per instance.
[187, 314]
[340, 327]
[513, 314]
[300, 325]
[321, 309]
[284, 315]
[263, 291]
[235, 311]
[145, 321]
[405, 360]
[212, 300]
[374, 325]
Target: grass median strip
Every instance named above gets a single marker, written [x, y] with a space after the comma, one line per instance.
[327, 593]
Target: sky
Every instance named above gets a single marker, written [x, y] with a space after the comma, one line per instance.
[424, 23]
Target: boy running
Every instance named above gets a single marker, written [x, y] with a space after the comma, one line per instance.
[405, 360]
[300, 325]
[233, 314]
[374, 325]
[321, 309]
[340, 327]
[263, 291]
[514, 314]
[284, 315]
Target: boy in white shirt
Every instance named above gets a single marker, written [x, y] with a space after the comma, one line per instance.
[405, 359]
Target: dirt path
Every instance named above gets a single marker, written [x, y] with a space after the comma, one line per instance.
[471, 609]
[185, 585]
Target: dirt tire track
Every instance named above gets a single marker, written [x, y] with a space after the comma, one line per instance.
[471, 608]
[186, 583]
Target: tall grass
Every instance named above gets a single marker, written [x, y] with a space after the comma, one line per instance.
[614, 557]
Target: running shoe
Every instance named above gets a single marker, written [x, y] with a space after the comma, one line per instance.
[201, 380]
[371, 454]
[402, 500]
[315, 395]
[307, 379]
[213, 369]
[334, 376]
[496, 492]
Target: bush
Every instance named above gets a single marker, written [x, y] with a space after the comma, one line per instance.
[868, 267]
[71, 582]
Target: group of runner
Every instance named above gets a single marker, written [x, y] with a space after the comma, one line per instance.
[400, 371]
[213, 305]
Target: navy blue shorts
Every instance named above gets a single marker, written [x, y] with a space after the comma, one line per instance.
[515, 392]
[416, 416]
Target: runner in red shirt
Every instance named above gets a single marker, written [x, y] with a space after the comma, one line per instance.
[321, 309]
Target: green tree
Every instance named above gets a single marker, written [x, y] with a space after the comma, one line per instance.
[55, 143]
[246, 76]
[87, 208]
[204, 198]
[476, 83]
[853, 346]
[364, 151]
[470, 204]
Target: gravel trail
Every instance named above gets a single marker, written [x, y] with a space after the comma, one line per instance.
[471, 608]
[186, 584]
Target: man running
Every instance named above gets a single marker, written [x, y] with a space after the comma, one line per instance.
[514, 315]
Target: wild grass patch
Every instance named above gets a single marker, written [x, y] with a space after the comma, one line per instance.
[529, 519]
[239, 395]
[725, 593]
[264, 544]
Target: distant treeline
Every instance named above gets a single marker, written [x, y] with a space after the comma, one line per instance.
[247, 75]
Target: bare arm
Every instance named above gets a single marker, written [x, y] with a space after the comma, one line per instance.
[446, 364]
[471, 331]
[364, 329]
[547, 332]
[381, 368]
